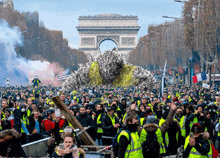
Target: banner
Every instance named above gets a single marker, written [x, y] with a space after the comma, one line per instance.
[205, 86]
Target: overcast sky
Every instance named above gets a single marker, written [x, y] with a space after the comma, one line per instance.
[63, 14]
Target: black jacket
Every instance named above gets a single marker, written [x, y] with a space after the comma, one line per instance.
[86, 121]
[31, 125]
[17, 120]
[16, 149]
[107, 126]
[202, 146]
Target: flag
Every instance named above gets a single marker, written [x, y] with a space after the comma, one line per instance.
[64, 75]
[199, 77]
[204, 76]
[163, 81]
[195, 80]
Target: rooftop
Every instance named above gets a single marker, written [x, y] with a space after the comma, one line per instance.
[109, 17]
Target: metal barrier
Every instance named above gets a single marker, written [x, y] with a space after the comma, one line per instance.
[101, 153]
[37, 148]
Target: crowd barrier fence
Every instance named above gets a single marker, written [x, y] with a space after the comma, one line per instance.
[39, 149]
[36, 148]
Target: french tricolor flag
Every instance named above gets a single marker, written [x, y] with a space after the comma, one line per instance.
[199, 77]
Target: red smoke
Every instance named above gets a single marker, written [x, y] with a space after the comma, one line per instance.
[48, 74]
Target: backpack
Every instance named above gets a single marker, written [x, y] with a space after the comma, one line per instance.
[151, 147]
[115, 144]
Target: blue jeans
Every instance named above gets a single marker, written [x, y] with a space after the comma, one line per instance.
[98, 141]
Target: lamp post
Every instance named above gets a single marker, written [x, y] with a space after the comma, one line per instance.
[180, 1]
[170, 17]
[177, 42]
[142, 57]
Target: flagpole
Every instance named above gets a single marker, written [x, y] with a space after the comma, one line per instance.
[162, 80]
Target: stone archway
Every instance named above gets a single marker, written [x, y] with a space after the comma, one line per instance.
[95, 29]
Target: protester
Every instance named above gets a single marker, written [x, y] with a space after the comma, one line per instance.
[130, 147]
[86, 121]
[68, 149]
[197, 144]
[10, 144]
[110, 125]
[34, 127]
[106, 108]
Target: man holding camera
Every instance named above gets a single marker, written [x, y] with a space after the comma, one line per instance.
[197, 144]
[110, 125]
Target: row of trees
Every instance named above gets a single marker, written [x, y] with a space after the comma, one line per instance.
[163, 42]
[197, 31]
[201, 19]
[40, 43]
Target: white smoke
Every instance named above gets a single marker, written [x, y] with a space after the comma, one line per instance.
[18, 69]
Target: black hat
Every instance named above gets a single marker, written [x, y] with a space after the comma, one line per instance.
[50, 111]
[166, 108]
[201, 105]
[110, 108]
[166, 91]
[74, 107]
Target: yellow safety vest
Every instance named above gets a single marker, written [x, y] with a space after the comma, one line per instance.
[166, 134]
[124, 117]
[219, 132]
[98, 121]
[3, 115]
[134, 149]
[138, 103]
[189, 99]
[195, 120]
[25, 120]
[142, 121]
[112, 119]
[182, 126]
[158, 132]
[194, 153]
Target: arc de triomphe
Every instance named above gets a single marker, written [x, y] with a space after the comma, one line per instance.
[93, 30]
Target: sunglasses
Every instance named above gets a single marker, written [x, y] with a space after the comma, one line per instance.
[67, 130]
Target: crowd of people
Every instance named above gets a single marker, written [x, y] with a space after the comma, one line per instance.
[137, 123]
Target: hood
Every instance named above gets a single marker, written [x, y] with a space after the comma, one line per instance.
[21, 106]
[152, 127]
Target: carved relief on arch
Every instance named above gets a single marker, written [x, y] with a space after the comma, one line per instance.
[87, 41]
[128, 41]
[104, 37]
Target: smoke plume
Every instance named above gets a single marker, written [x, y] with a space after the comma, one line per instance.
[19, 70]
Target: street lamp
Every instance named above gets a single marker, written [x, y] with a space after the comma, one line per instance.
[180, 1]
[170, 17]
